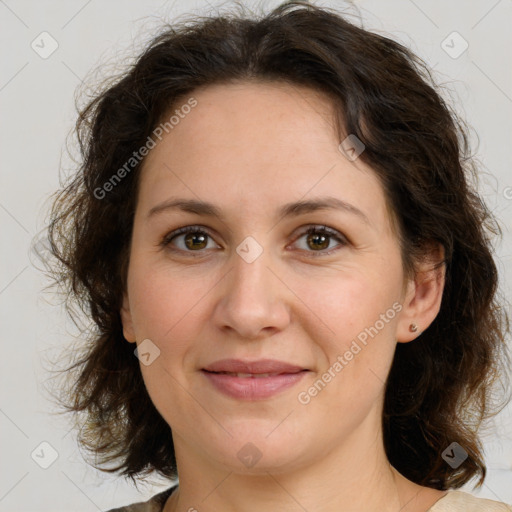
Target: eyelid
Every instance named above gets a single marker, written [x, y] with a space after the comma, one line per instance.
[311, 228]
[323, 229]
[195, 228]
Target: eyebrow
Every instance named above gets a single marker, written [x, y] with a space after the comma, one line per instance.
[288, 210]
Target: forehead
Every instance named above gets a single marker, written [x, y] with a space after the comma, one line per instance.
[251, 119]
[259, 142]
[271, 100]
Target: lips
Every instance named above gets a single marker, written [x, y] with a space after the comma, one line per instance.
[252, 380]
[249, 375]
[260, 367]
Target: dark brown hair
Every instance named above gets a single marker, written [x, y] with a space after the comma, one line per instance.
[440, 386]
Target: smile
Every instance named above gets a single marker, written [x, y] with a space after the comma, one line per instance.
[251, 386]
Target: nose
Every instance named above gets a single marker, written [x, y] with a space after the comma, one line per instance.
[253, 299]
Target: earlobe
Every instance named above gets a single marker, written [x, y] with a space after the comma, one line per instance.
[423, 298]
[126, 319]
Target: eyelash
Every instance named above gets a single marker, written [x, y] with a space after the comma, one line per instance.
[322, 230]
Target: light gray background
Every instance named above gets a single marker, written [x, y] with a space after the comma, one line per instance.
[37, 112]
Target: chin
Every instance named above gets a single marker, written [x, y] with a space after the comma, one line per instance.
[259, 447]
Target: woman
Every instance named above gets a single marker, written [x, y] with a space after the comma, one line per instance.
[291, 277]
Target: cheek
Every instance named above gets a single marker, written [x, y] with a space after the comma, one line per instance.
[345, 305]
[357, 359]
[167, 313]
[354, 330]
[162, 303]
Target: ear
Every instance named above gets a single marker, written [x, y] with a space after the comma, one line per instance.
[423, 296]
[126, 319]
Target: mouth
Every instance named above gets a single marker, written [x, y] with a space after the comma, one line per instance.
[251, 375]
[256, 380]
[258, 367]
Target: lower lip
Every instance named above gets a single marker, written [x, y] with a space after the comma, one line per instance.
[253, 388]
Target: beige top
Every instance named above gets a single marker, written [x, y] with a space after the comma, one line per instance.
[454, 501]
[459, 501]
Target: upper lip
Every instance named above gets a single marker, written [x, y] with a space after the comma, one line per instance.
[254, 367]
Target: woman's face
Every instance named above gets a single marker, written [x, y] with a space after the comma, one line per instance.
[248, 283]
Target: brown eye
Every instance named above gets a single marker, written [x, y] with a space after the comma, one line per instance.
[319, 238]
[318, 241]
[187, 239]
[195, 240]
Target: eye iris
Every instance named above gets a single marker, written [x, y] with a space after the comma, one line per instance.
[318, 238]
[191, 239]
[315, 239]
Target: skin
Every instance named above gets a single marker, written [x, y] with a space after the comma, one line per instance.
[249, 148]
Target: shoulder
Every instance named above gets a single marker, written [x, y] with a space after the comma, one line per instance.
[154, 504]
[459, 501]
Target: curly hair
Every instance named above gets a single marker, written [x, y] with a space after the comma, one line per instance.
[440, 387]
